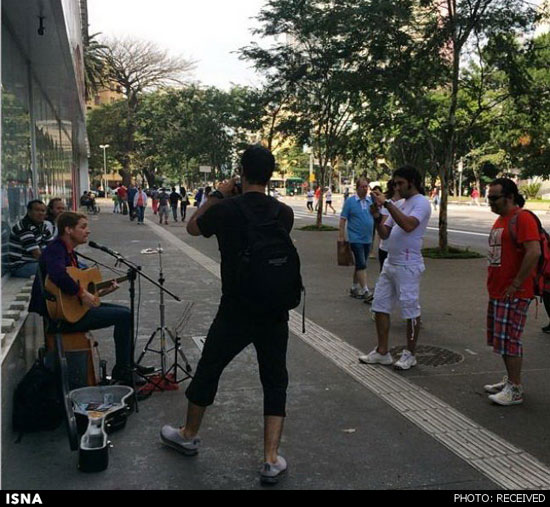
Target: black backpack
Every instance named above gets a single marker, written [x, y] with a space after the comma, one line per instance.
[268, 276]
[37, 404]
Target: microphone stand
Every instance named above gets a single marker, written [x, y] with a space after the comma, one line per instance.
[133, 271]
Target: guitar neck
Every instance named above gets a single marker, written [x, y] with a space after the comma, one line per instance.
[107, 283]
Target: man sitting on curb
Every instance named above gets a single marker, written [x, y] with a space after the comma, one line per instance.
[28, 238]
[399, 280]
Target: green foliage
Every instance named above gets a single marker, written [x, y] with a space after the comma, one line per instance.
[531, 190]
[450, 253]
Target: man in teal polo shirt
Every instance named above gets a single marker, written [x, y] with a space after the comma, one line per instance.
[357, 216]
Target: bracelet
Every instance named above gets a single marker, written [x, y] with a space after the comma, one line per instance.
[217, 194]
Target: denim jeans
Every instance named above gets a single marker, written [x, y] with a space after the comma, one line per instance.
[25, 271]
[140, 213]
[108, 315]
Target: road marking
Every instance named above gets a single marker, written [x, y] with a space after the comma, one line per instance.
[508, 466]
[471, 352]
[485, 235]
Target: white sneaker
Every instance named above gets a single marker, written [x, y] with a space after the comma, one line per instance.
[496, 388]
[375, 357]
[510, 395]
[406, 362]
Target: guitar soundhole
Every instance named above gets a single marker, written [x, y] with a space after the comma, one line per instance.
[91, 288]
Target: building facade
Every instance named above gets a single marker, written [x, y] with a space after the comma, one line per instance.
[44, 144]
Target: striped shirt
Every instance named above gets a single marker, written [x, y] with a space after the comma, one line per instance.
[25, 237]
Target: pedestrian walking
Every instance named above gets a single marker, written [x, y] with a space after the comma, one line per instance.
[207, 192]
[184, 203]
[317, 197]
[434, 197]
[164, 204]
[123, 198]
[309, 199]
[514, 251]
[155, 200]
[132, 191]
[198, 197]
[235, 326]
[175, 198]
[116, 205]
[328, 199]
[475, 196]
[399, 281]
[356, 217]
[140, 203]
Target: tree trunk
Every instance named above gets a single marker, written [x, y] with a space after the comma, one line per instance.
[443, 240]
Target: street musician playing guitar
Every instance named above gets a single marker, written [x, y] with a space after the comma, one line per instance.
[56, 262]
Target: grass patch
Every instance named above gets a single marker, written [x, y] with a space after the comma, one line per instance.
[323, 228]
[451, 253]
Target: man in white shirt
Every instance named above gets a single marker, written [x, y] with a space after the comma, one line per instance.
[400, 278]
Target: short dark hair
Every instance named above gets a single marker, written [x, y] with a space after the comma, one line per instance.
[69, 219]
[509, 188]
[258, 164]
[412, 175]
[30, 204]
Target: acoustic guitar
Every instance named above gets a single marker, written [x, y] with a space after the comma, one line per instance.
[70, 308]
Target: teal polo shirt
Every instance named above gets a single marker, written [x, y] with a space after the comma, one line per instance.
[359, 219]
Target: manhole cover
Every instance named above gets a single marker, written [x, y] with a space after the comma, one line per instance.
[428, 355]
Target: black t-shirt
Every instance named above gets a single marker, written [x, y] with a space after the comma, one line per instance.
[227, 222]
[174, 198]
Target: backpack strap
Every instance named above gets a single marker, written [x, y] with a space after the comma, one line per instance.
[250, 217]
[513, 225]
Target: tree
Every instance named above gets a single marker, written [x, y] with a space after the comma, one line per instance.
[136, 67]
[462, 27]
[94, 65]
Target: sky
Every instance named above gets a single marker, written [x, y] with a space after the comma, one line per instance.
[203, 30]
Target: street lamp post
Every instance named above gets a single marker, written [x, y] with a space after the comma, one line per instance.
[104, 148]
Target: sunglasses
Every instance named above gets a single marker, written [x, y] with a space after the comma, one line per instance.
[494, 198]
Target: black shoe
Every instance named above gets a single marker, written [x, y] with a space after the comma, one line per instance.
[126, 377]
[546, 329]
[144, 370]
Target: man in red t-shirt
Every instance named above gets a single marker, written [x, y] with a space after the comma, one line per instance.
[510, 283]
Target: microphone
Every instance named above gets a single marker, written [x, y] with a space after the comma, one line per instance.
[93, 244]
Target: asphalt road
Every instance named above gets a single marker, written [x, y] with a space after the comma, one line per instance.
[467, 226]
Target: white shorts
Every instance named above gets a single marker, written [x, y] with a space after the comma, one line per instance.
[398, 284]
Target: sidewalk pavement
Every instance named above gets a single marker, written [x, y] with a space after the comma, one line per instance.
[349, 426]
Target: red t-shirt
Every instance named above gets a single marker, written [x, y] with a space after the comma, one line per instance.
[122, 192]
[318, 193]
[505, 257]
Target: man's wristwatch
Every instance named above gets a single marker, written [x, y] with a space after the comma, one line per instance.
[386, 203]
[217, 194]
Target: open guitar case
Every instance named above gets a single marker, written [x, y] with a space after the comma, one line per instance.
[91, 413]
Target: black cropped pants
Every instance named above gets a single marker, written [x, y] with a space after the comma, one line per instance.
[227, 337]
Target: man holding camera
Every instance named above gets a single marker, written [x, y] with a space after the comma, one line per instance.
[236, 325]
[399, 280]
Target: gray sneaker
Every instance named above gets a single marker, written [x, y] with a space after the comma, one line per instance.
[271, 473]
[171, 437]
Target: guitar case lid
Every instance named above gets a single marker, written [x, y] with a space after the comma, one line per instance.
[70, 420]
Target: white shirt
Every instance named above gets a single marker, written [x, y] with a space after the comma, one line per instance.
[328, 196]
[384, 212]
[404, 248]
[310, 195]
